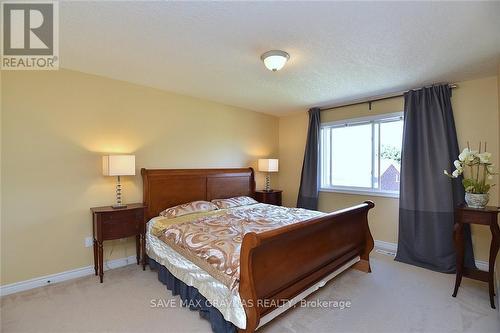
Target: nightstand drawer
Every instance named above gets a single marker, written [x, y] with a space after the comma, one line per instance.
[475, 217]
[115, 229]
[272, 197]
[120, 224]
[122, 215]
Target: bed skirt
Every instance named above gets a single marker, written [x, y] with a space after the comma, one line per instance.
[193, 299]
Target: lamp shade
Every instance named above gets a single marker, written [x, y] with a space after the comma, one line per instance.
[118, 165]
[268, 165]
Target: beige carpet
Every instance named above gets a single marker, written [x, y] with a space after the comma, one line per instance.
[394, 298]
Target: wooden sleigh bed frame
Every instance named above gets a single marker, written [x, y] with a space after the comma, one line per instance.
[276, 265]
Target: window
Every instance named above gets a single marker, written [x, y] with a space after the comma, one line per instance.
[362, 155]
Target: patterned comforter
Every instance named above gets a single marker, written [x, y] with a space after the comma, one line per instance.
[213, 241]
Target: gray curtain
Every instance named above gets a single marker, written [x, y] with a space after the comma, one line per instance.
[309, 184]
[427, 197]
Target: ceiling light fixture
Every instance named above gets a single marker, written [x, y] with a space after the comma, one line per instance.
[274, 60]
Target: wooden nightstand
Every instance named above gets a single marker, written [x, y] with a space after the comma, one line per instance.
[109, 223]
[272, 197]
[487, 217]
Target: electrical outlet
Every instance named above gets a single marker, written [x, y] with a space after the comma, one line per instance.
[89, 241]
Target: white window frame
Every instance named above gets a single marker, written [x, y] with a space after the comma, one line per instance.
[381, 118]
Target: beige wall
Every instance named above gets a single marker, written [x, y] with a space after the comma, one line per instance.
[475, 105]
[497, 268]
[52, 143]
[55, 127]
[1, 252]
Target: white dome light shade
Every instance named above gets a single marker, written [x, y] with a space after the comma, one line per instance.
[275, 60]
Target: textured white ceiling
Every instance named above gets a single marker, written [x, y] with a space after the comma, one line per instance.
[339, 51]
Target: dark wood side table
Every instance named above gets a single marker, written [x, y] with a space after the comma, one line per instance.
[272, 197]
[488, 217]
[109, 223]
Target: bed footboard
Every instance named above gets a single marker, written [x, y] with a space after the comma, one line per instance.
[279, 264]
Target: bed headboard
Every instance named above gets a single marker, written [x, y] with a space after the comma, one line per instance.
[163, 188]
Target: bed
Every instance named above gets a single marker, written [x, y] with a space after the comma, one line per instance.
[277, 268]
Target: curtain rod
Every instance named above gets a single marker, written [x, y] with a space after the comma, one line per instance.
[370, 100]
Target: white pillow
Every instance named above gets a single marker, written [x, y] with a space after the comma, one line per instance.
[234, 202]
[188, 208]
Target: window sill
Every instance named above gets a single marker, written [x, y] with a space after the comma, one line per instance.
[361, 192]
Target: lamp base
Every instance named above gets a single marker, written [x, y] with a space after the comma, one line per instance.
[267, 187]
[118, 204]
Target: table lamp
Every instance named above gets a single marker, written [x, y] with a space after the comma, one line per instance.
[268, 165]
[118, 165]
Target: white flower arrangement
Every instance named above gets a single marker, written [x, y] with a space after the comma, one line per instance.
[479, 170]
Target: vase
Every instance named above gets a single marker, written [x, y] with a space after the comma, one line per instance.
[474, 200]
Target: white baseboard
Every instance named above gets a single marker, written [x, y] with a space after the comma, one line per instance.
[63, 276]
[392, 248]
[387, 247]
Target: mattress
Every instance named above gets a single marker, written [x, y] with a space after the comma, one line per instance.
[228, 302]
